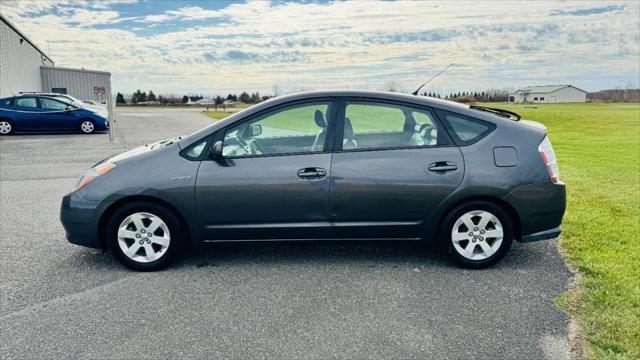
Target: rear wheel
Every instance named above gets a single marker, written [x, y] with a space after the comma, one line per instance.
[477, 234]
[87, 126]
[143, 236]
[6, 128]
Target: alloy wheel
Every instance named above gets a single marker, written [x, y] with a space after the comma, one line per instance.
[87, 127]
[143, 237]
[477, 235]
[5, 127]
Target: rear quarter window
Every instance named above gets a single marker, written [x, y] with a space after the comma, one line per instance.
[465, 130]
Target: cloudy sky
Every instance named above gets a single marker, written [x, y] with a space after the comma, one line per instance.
[217, 47]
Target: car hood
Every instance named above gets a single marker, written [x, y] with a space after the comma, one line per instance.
[98, 111]
[135, 152]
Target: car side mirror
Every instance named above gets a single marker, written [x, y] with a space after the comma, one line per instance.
[216, 150]
[256, 130]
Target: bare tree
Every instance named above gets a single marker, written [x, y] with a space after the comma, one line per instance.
[391, 86]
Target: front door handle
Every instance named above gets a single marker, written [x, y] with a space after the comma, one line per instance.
[442, 167]
[311, 173]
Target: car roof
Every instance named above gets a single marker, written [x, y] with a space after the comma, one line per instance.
[39, 95]
[423, 100]
[427, 101]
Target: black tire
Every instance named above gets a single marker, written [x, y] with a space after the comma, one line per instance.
[446, 241]
[166, 215]
[6, 122]
[82, 129]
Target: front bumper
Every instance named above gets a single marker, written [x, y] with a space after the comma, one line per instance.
[79, 217]
[540, 208]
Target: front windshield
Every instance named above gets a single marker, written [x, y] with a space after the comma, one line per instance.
[63, 99]
[70, 99]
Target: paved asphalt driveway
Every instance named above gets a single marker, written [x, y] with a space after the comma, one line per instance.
[318, 301]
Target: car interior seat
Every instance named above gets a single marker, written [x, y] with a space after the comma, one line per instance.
[318, 142]
[248, 142]
[349, 141]
[424, 134]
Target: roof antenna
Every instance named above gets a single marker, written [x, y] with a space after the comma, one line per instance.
[433, 77]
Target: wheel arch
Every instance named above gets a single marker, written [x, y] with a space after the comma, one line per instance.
[504, 205]
[106, 214]
[6, 118]
[83, 119]
[11, 122]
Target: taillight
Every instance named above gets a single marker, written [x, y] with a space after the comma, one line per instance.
[549, 157]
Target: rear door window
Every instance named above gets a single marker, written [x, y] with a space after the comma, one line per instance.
[377, 125]
[26, 102]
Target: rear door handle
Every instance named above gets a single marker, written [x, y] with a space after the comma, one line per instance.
[442, 167]
[311, 173]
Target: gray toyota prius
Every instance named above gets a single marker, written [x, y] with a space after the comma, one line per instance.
[346, 165]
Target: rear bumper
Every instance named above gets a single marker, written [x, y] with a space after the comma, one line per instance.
[542, 235]
[77, 215]
[540, 208]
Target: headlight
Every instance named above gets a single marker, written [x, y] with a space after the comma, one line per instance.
[94, 172]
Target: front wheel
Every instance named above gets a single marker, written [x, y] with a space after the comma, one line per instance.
[477, 234]
[5, 127]
[87, 126]
[143, 236]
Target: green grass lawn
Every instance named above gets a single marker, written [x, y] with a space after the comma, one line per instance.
[217, 115]
[598, 149]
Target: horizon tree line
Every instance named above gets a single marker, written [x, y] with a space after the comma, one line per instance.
[139, 96]
[490, 95]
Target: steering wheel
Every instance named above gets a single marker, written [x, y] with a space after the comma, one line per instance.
[254, 147]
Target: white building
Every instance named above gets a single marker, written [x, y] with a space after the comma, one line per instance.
[548, 94]
[206, 102]
[24, 67]
[20, 61]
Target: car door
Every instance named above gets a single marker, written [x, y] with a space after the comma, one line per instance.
[56, 115]
[393, 165]
[272, 181]
[26, 113]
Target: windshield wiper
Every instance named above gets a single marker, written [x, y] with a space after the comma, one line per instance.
[500, 112]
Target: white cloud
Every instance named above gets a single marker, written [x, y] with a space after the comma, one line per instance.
[185, 13]
[346, 44]
[195, 13]
[155, 18]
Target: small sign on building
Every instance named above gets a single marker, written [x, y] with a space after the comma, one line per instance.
[98, 90]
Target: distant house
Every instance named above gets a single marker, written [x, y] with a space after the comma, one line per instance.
[230, 102]
[206, 102]
[548, 94]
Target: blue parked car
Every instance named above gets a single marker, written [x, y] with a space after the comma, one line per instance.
[36, 113]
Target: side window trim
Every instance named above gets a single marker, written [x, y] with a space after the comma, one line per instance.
[342, 107]
[331, 119]
[456, 139]
[209, 140]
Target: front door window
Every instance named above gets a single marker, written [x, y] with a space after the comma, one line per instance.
[294, 130]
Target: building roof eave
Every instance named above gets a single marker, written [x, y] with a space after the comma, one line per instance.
[14, 28]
